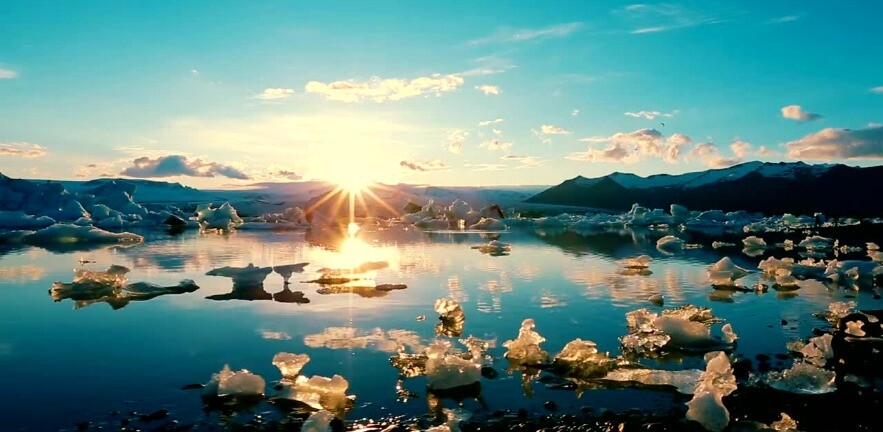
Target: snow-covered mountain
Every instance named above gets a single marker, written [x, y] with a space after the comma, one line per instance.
[754, 186]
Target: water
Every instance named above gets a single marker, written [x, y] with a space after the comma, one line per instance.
[60, 365]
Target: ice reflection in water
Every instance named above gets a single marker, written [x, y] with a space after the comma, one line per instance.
[570, 283]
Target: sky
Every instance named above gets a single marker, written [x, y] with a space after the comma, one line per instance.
[223, 93]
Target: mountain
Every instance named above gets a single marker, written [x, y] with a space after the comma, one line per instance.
[771, 188]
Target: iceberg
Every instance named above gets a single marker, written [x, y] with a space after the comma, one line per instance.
[290, 364]
[489, 224]
[803, 378]
[59, 233]
[18, 220]
[725, 272]
[288, 269]
[222, 218]
[670, 244]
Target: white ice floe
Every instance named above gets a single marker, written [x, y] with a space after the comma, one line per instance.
[494, 247]
[670, 244]
[816, 243]
[446, 371]
[59, 234]
[707, 407]
[489, 224]
[753, 242]
[525, 349]
[638, 262]
[237, 384]
[725, 272]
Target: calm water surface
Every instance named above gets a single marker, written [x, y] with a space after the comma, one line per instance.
[60, 365]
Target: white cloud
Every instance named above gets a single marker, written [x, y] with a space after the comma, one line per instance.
[8, 73]
[490, 122]
[783, 19]
[506, 35]
[285, 175]
[178, 165]
[495, 144]
[424, 165]
[553, 130]
[830, 144]
[275, 94]
[22, 149]
[795, 112]
[456, 138]
[673, 147]
[651, 115]
[385, 89]
[487, 167]
[194, 72]
[655, 18]
[524, 161]
[497, 132]
[878, 89]
[764, 152]
[489, 89]
[575, 112]
[709, 155]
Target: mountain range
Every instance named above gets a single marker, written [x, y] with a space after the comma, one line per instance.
[770, 188]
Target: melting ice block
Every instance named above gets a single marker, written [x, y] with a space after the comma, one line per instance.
[447, 371]
[494, 247]
[581, 359]
[489, 224]
[707, 407]
[670, 244]
[319, 421]
[237, 384]
[753, 242]
[725, 272]
[525, 349]
[803, 378]
[290, 364]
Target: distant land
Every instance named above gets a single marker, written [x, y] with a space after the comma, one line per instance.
[770, 188]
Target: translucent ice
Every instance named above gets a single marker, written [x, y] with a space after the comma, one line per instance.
[784, 424]
[446, 371]
[581, 359]
[525, 349]
[221, 218]
[684, 380]
[68, 233]
[319, 421]
[290, 364]
[752, 242]
[670, 244]
[229, 383]
[725, 272]
[707, 407]
[803, 378]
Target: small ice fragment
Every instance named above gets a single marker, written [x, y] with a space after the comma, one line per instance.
[707, 407]
[581, 359]
[656, 299]
[817, 351]
[288, 269]
[719, 244]
[753, 242]
[730, 336]
[784, 424]
[803, 378]
[638, 262]
[494, 247]
[684, 380]
[725, 272]
[670, 244]
[785, 279]
[854, 328]
[873, 246]
[319, 421]
[525, 349]
[816, 243]
[489, 224]
[236, 384]
[290, 364]
[446, 371]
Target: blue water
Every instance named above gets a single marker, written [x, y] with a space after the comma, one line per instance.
[60, 365]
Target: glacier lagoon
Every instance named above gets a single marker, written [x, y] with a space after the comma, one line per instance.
[71, 361]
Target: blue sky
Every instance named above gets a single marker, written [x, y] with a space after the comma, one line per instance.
[222, 92]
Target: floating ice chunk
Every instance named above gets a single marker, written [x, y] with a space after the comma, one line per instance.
[296, 215]
[446, 371]
[784, 424]
[638, 262]
[871, 246]
[670, 244]
[771, 265]
[243, 277]
[854, 328]
[319, 421]
[683, 380]
[17, 220]
[842, 271]
[68, 233]
[817, 351]
[525, 349]
[686, 327]
[752, 242]
[838, 310]
[319, 392]
[70, 211]
[494, 247]
[450, 313]
[816, 243]
[679, 213]
[785, 279]
[236, 384]
[803, 378]
[91, 284]
[478, 347]
[719, 244]
[730, 336]
[221, 218]
[707, 407]
[725, 272]
[459, 210]
[290, 364]
[288, 269]
[489, 224]
[581, 359]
